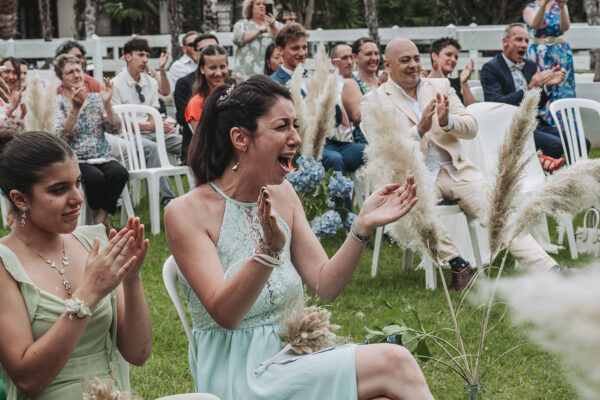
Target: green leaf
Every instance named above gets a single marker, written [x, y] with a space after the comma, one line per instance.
[372, 332]
[394, 330]
[411, 341]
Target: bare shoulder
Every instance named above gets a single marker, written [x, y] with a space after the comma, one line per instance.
[195, 211]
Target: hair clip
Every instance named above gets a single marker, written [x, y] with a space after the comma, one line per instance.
[227, 94]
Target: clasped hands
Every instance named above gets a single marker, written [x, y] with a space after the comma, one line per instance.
[440, 106]
[119, 261]
[548, 77]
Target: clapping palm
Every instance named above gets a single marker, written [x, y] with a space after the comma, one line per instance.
[389, 203]
[106, 91]
[139, 246]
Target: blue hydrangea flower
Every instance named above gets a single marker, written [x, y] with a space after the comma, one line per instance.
[329, 203]
[327, 224]
[349, 220]
[339, 186]
[308, 176]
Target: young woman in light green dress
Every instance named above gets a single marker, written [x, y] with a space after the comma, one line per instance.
[72, 298]
[244, 249]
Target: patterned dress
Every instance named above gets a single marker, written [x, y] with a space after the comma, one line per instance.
[547, 57]
[227, 359]
[250, 57]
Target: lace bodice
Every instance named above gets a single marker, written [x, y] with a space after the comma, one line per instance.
[240, 231]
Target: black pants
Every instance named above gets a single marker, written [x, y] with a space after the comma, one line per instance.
[103, 184]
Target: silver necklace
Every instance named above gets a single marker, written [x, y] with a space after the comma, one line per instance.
[52, 264]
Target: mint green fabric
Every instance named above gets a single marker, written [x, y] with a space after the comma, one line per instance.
[227, 358]
[96, 352]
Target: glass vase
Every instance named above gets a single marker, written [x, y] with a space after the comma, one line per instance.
[473, 392]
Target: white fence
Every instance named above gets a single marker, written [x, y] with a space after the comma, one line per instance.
[104, 52]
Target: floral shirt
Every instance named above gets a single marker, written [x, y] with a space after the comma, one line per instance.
[87, 138]
[250, 57]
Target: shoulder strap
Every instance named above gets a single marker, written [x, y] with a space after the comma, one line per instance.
[87, 233]
[13, 265]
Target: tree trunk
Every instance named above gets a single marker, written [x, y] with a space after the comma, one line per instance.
[9, 19]
[45, 19]
[371, 19]
[79, 7]
[310, 9]
[175, 15]
[592, 12]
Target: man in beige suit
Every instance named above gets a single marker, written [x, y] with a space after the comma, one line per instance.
[438, 119]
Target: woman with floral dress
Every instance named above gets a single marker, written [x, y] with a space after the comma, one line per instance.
[547, 20]
[252, 35]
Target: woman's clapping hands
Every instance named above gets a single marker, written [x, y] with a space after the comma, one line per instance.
[386, 205]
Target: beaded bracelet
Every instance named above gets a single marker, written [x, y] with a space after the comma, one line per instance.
[266, 260]
[77, 308]
[358, 236]
[272, 253]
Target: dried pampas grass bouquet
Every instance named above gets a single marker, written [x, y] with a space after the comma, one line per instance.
[105, 390]
[308, 330]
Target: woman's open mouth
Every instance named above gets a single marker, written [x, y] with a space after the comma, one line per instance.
[285, 162]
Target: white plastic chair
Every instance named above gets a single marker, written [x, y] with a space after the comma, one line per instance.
[477, 92]
[137, 162]
[430, 271]
[6, 208]
[190, 396]
[567, 118]
[170, 279]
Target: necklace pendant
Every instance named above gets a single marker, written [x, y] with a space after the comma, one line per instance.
[62, 271]
[51, 264]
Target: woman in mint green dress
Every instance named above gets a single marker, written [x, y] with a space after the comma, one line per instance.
[72, 298]
[244, 249]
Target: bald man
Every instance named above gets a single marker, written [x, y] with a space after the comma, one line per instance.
[438, 119]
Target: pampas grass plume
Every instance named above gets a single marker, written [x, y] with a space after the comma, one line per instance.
[308, 330]
[567, 191]
[299, 106]
[562, 314]
[392, 155]
[41, 105]
[511, 165]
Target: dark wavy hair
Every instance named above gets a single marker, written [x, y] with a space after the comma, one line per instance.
[24, 157]
[438, 45]
[358, 43]
[201, 84]
[268, 53]
[211, 149]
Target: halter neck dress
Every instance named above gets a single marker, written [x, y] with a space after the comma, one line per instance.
[227, 359]
[96, 353]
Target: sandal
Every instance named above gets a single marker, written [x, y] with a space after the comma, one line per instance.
[550, 164]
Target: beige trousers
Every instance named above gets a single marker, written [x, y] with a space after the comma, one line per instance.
[472, 196]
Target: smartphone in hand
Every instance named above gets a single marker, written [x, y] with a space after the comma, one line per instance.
[269, 8]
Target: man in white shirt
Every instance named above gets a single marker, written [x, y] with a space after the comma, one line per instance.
[134, 86]
[184, 64]
[438, 120]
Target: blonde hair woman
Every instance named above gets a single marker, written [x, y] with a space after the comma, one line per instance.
[251, 36]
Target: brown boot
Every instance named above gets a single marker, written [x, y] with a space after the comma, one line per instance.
[461, 278]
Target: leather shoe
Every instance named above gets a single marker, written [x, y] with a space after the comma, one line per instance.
[461, 278]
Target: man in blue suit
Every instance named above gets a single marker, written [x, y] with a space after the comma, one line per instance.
[340, 156]
[507, 77]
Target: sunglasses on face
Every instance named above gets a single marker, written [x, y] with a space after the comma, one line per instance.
[141, 96]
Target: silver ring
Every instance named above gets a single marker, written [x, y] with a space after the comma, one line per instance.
[268, 223]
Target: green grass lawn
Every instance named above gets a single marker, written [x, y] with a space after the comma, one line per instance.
[525, 373]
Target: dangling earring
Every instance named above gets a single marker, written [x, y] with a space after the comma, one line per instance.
[23, 216]
[434, 66]
[236, 167]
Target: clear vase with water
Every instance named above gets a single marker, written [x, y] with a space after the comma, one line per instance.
[473, 392]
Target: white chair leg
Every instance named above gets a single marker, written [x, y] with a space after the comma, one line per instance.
[571, 240]
[191, 180]
[126, 207]
[179, 185]
[430, 273]
[153, 197]
[407, 260]
[135, 188]
[474, 241]
[561, 236]
[375, 261]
